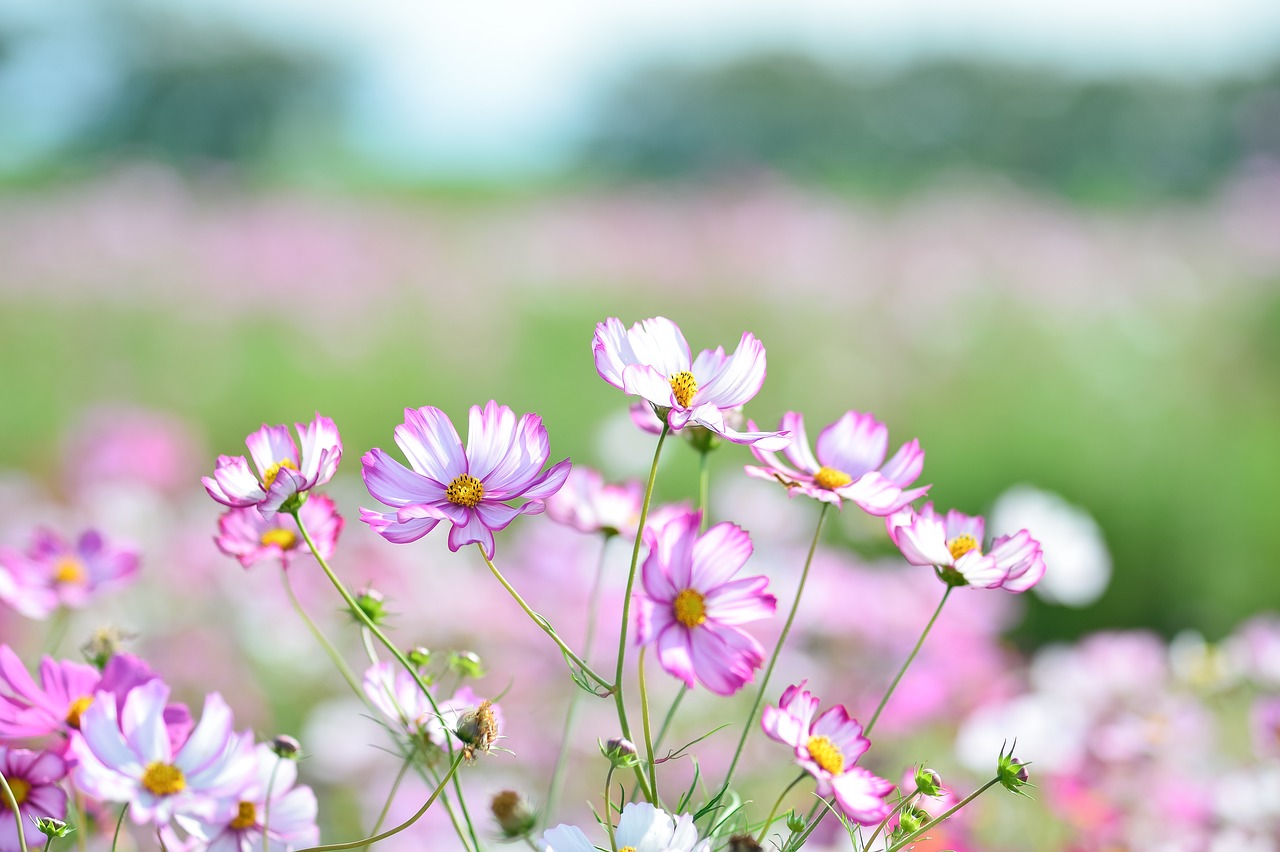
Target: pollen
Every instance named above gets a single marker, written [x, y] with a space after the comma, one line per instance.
[163, 779]
[69, 570]
[831, 479]
[246, 817]
[683, 387]
[465, 490]
[20, 790]
[962, 544]
[76, 710]
[826, 754]
[627, 849]
[689, 608]
[281, 538]
[274, 471]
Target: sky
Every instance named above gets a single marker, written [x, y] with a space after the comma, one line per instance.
[491, 86]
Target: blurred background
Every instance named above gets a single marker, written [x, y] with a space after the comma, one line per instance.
[1045, 240]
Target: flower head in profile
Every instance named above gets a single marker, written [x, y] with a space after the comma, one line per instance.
[953, 546]
[472, 488]
[641, 828]
[35, 778]
[54, 572]
[848, 464]
[692, 605]
[251, 537]
[285, 469]
[397, 696]
[590, 505]
[827, 747]
[653, 361]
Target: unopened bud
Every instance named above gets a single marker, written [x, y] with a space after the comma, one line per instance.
[1012, 772]
[911, 820]
[515, 816]
[371, 603]
[420, 657]
[620, 752]
[466, 664]
[928, 782]
[286, 747]
[795, 823]
[51, 828]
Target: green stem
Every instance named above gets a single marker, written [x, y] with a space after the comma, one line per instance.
[704, 489]
[339, 663]
[369, 841]
[671, 714]
[466, 815]
[648, 736]
[115, 838]
[391, 796]
[57, 630]
[11, 801]
[885, 700]
[931, 823]
[608, 807]
[879, 828]
[749, 725]
[266, 806]
[542, 622]
[76, 803]
[764, 829]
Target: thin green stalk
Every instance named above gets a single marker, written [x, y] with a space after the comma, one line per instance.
[76, 803]
[608, 807]
[57, 630]
[902, 803]
[541, 622]
[749, 725]
[266, 806]
[115, 838]
[12, 802]
[916, 650]
[648, 736]
[391, 796]
[671, 714]
[339, 663]
[369, 841]
[910, 838]
[704, 488]
[764, 829]
[466, 815]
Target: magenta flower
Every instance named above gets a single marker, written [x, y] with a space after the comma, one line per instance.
[470, 488]
[127, 756]
[54, 572]
[251, 537]
[34, 778]
[283, 471]
[827, 748]
[953, 546]
[652, 360]
[590, 505]
[849, 464]
[692, 605]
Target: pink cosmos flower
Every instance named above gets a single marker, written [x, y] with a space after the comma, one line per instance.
[396, 695]
[827, 748]
[953, 546]
[641, 828]
[251, 537]
[283, 472]
[54, 572]
[849, 464]
[652, 360]
[34, 778]
[590, 505]
[126, 755]
[692, 605]
[470, 488]
[291, 815]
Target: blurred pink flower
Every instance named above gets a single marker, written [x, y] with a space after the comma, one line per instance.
[641, 827]
[390, 689]
[1264, 719]
[55, 573]
[283, 472]
[470, 488]
[119, 444]
[692, 605]
[954, 547]
[34, 778]
[590, 505]
[251, 537]
[849, 464]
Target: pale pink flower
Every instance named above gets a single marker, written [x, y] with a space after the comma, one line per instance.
[849, 464]
[401, 701]
[692, 604]
[642, 828]
[251, 537]
[953, 546]
[54, 572]
[283, 471]
[34, 778]
[590, 505]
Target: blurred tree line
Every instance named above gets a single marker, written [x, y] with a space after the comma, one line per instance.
[886, 132]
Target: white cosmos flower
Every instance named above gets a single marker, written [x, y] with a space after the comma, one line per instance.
[642, 828]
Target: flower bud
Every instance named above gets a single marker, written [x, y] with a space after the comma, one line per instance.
[371, 603]
[420, 657]
[286, 747]
[478, 730]
[104, 643]
[515, 816]
[1012, 772]
[928, 782]
[744, 843]
[795, 823]
[620, 752]
[466, 664]
[911, 820]
[51, 828]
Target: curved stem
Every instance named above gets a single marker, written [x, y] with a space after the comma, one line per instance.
[266, 806]
[339, 663]
[764, 829]
[648, 736]
[11, 802]
[608, 807]
[369, 841]
[671, 714]
[391, 796]
[879, 828]
[907, 664]
[931, 823]
[749, 725]
[466, 815]
[115, 838]
[57, 630]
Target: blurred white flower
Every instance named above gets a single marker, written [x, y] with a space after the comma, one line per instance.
[1078, 560]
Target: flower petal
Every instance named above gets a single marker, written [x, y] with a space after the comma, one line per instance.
[271, 445]
[855, 444]
[394, 484]
[431, 444]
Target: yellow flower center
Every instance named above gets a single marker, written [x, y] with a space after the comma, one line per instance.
[163, 779]
[683, 387]
[689, 609]
[826, 754]
[831, 479]
[20, 790]
[76, 710]
[274, 471]
[280, 538]
[69, 570]
[962, 544]
[627, 849]
[246, 817]
[465, 490]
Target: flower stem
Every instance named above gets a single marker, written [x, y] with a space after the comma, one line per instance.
[885, 700]
[704, 488]
[764, 829]
[902, 803]
[648, 736]
[11, 802]
[671, 714]
[542, 622]
[931, 823]
[339, 663]
[749, 725]
[391, 796]
[266, 807]
[369, 841]
[115, 838]
[608, 807]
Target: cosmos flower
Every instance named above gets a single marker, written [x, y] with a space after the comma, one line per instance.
[397, 696]
[849, 464]
[34, 778]
[590, 505]
[827, 748]
[692, 605]
[641, 828]
[283, 471]
[126, 755]
[653, 361]
[251, 537]
[54, 572]
[953, 546]
[470, 488]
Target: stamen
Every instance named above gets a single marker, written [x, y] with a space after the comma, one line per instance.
[246, 817]
[76, 710]
[163, 779]
[465, 490]
[826, 754]
[962, 544]
[69, 570]
[689, 608]
[831, 479]
[20, 788]
[627, 849]
[274, 471]
[684, 386]
[281, 538]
